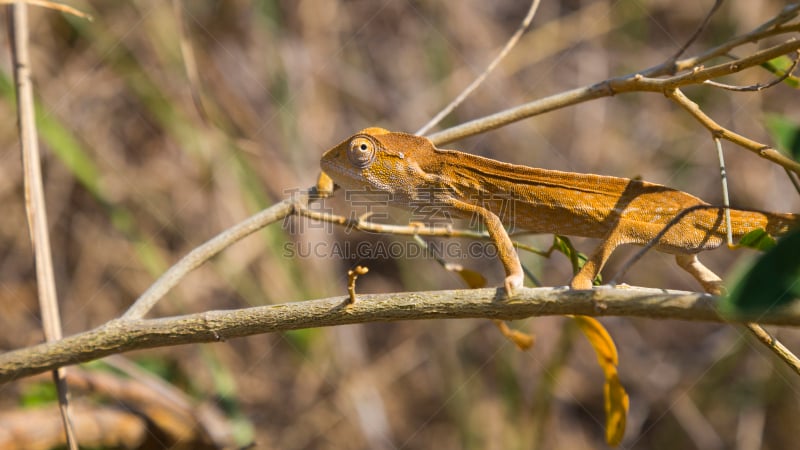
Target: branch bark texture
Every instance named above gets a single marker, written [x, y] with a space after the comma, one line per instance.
[121, 335]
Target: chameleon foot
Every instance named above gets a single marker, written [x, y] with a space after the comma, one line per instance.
[580, 283]
[513, 282]
[711, 283]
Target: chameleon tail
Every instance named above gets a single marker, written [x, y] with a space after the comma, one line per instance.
[775, 224]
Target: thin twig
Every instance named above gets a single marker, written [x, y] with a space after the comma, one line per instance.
[360, 223]
[189, 62]
[34, 200]
[416, 229]
[765, 338]
[119, 336]
[726, 201]
[793, 178]
[716, 129]
[352, 276]
[697, 32]
[770, 28]
[650, 244]
[783, 353]
[208, 250]
[637, 83]
[60, 7]
[602, 89]
[526, 22]
[758, 86]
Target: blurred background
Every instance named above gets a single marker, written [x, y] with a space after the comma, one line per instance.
[144, 160]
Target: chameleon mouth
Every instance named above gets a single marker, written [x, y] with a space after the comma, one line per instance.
[342, 175]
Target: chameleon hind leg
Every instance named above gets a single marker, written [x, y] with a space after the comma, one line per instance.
[505, 248]
[709, 280]
[585, 277]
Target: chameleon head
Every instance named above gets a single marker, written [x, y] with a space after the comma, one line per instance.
[378, 159]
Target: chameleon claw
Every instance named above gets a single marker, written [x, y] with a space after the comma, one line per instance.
[580, 283]
[512, 283]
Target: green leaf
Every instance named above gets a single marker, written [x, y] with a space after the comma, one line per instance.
[578, 259]
[757, 239]
[774, 280]
[778, 66]
[38, 394]
[785, 133]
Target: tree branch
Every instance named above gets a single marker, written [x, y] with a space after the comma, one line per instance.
[119, 336]
[209, 249]
[637, 82]
[721, 132]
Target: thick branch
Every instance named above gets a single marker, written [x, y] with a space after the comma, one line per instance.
[121, 335]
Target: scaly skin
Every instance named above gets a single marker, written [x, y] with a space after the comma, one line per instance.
[616, 210]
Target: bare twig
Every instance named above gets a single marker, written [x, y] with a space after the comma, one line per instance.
[726, 201]
[34, 201]
[639, 82]
[697, 32]
[512, 41]
[362, 224]
[208, 250]
[189, 62]
[645, 248]
[793, 178]
[60, 7]
[352, 276]
[416, 229]
[773, 344]
[783, 353]
[717, 130]
[758, 86]
[119, 336]
[772, 27]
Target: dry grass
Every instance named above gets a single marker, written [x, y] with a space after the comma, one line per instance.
[136, 177]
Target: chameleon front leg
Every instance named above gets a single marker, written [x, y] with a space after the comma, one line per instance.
[709, 280]
[505, 248]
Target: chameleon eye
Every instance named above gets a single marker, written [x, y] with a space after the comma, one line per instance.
[361, 152]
